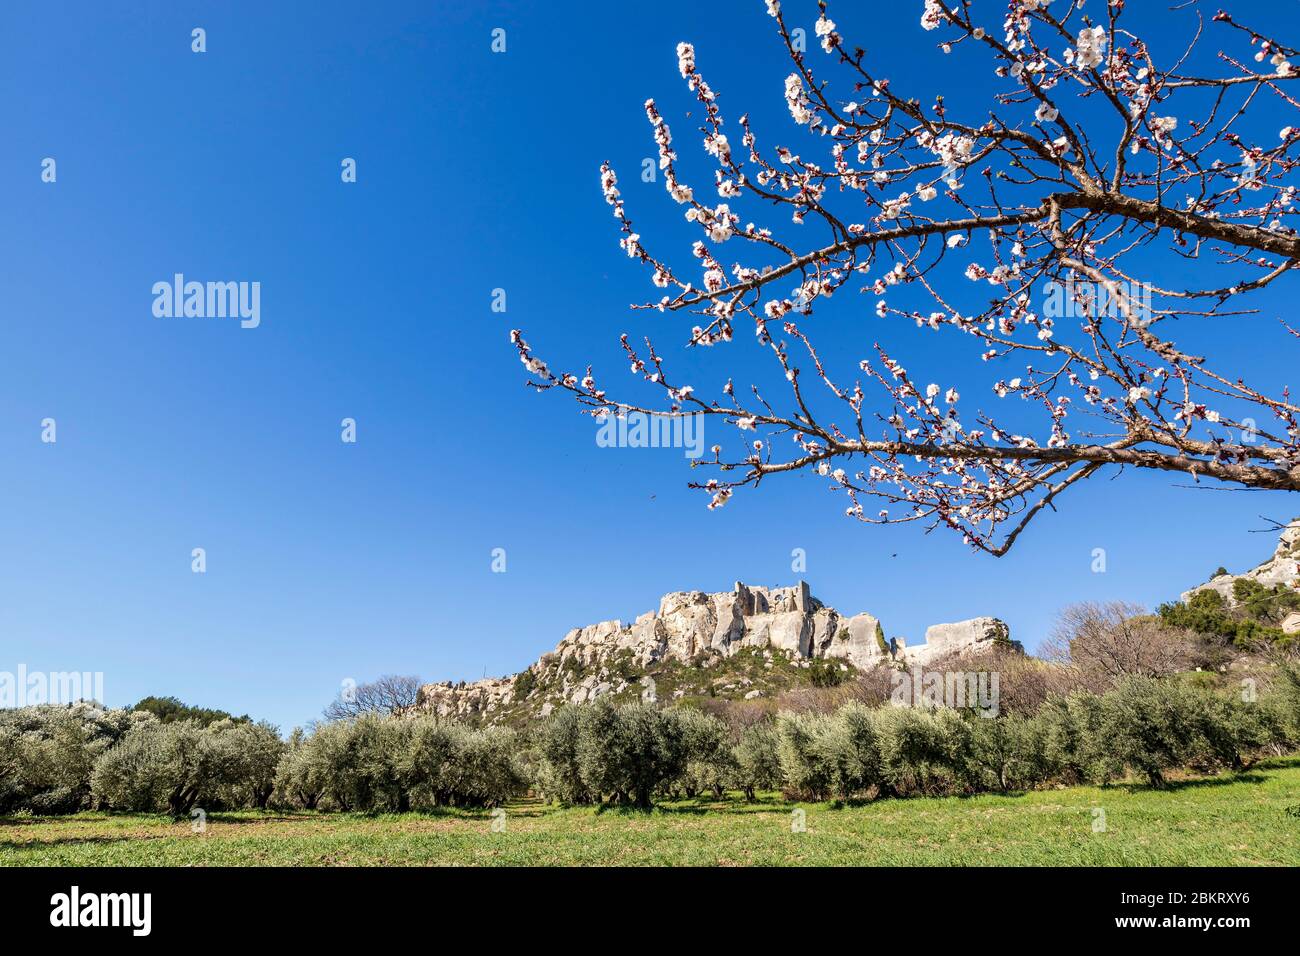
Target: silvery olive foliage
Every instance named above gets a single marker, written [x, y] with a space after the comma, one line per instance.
[630, 752]
[174, 767]
[710, 759]
[378, 764]
[63, 759]
[47, 753]
[757, 762]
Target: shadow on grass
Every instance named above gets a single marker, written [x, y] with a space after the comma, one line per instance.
[1174, 786]
[700, 806]
[235, 819]
[71, 840]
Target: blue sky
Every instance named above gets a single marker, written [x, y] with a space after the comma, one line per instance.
[476, 171]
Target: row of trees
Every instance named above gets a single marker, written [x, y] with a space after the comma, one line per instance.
[47, 754]
[393, 764]
[61, 759]
[176, 766]
[1143, 726]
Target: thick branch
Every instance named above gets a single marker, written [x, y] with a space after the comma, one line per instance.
[1255, 476]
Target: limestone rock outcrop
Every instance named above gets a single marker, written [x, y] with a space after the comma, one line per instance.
[1283, 568]
[785, 623]
[963, 637]
[781, 626]
[859, 639]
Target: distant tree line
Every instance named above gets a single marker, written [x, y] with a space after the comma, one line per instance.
[1119, 695]
[168, 710]
[57, 759]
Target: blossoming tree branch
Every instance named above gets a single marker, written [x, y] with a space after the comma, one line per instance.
[1093, 162]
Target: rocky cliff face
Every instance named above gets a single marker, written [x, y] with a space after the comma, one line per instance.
[749, 642]
[785, 627]
[1283, 568]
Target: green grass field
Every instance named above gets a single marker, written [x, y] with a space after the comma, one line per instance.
[1250, 819]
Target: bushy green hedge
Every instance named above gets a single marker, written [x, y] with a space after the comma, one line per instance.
[175, 767]
[1142, 727]
[380, 764]
[63, 759]
[47, 754]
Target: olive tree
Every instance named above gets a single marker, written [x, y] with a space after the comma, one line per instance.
[629, 752]
[706, 740]
[756, 761]
[47, 753]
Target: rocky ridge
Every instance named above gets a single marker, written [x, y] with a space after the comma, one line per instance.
[1282, 568]
[769, 628]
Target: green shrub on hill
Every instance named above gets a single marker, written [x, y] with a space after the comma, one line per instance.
[1253, 622]
[827, 672]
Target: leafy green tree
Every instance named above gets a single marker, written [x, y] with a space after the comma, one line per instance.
[159, 766]
[525, 681]
[708, 757]
[47, 753]
[251, 755]
[1286, 699]
[1148, 727]
[849, 744]
[755, 761]
[1071, 729]
[297, 784]
[1007, 752]
[1264, 604]
[807, 763]
[486, 771]
[333, 766]
[1253, 622]
[171, 709]
[559, 773]
[922, 750]
[429, 765]
[826, 672]
[629, 751]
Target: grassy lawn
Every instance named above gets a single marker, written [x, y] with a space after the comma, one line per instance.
[1243, 820]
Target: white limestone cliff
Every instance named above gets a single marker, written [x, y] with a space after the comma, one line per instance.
[689, 625]
[784, 624]
[1283, 568]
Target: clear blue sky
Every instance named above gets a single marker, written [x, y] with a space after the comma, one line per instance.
[476, 171]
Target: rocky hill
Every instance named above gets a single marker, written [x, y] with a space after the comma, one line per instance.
[740, 644]
[1262, 603]
[755, 642]
[1281, 569]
